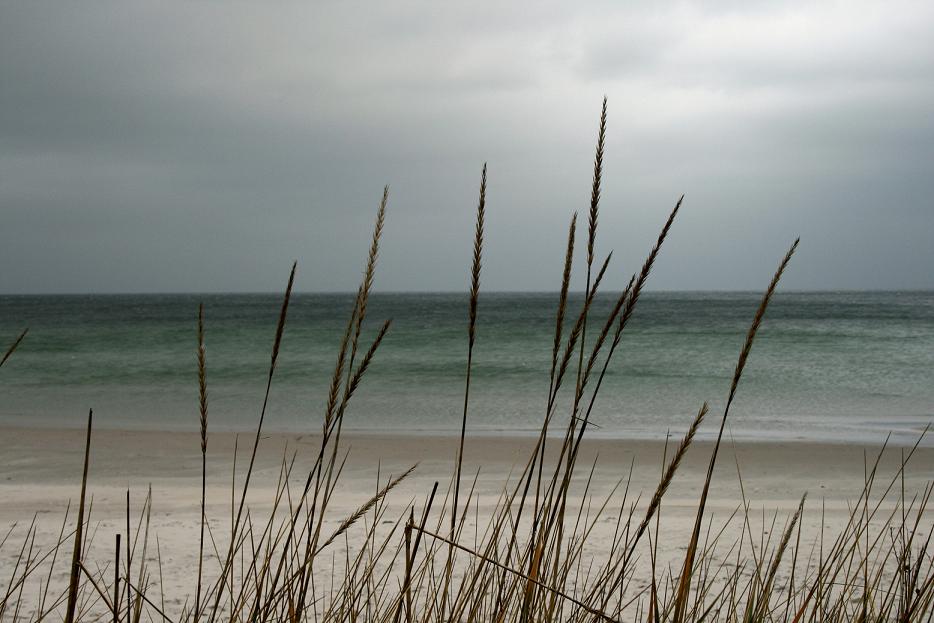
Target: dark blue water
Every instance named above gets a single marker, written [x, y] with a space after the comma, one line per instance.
[840, 366]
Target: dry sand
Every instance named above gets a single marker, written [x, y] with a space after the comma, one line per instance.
[42, 471]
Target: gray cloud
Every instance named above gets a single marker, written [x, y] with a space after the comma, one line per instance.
[202, 146]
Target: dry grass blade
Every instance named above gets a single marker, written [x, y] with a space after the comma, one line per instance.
[116, 600]
[577, 331]
[757, 320]
[766, 591]
[684, 583]
[13, 347]
[591, 239]
[668, 477]
[563, 297]
[129, 561]
[647, 268]
[280, 328]
[369, 274]
[203, 408]
[334, 417]
[96, 586]
[337, 376]
[141, 595]
[333, 420]
[622, 311]
[202, 382]
[626, 303]
[410, 556]
[519, 574]
[368, 358]
[471, 332]
[366, 507]
[559, 328]
[477, 258]
[471, 337]
[595, 188]
[79, 531]
[351, 337]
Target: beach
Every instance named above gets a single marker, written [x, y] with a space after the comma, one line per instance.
[42, 472]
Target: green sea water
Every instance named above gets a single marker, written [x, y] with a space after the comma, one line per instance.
[848, 367]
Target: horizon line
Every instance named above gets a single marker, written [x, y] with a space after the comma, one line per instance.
[464, 292]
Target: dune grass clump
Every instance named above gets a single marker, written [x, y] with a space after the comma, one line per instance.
[529, 557]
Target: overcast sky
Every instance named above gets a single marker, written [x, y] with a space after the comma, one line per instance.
[180, 146]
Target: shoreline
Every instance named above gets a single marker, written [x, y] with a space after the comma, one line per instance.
[920, 436]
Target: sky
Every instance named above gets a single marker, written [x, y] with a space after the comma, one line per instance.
[204, 146]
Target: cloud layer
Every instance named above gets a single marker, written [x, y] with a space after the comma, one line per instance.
[203, 146]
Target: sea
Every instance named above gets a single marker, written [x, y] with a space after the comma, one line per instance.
[846, 367]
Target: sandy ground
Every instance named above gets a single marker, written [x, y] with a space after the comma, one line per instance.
[41, 471]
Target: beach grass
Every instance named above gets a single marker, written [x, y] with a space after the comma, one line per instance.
[526, 557]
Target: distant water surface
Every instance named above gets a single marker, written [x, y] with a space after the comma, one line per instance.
[847, 367]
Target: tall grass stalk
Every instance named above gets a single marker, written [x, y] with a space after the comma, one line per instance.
[79, 531]
[471, 338]
[203, 421]
[684, 583]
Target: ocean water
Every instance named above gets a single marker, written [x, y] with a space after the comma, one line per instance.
[848, 367]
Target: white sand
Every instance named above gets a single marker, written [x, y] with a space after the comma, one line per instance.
[42, 471]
